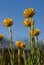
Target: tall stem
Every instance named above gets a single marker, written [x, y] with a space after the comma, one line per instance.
[11, 49]
[37, 53]
[10, 31]
[0, 45]
[24, 57]
[32, 37]
[29, 58]
[32, 42]
[36, 41]
[29, 29]
[1, 53]
[18, 56]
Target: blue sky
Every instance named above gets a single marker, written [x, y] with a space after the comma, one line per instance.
[14, 9]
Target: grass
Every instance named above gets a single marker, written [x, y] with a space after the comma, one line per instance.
[7, 57]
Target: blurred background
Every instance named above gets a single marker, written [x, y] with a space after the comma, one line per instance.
[14, 9]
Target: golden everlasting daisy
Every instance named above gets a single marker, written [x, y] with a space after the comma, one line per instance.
[27, 22]
[1, 36]
[8, 22]
[36, 32]
[29, 12]
[23, 45]
[18, 44]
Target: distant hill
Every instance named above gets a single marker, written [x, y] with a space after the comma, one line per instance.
[40, 43]
[5, 43]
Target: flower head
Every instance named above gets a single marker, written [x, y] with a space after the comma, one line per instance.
[27, 22]
[29, 12]
[18, 44]
[36, 32]
[8, 22]
[1, 36]
[23, 45]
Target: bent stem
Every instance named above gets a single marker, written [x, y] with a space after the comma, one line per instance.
[24, 57]
[11, 48]
[11, 59]
[10, 31]
[29, 58]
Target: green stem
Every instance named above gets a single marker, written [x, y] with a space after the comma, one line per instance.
[11, 57]
[32, 42]
[24, 57]
[32, 37]
[29, 58]
[37, 53]
[10, 31]
[11, 48]
[1, 53]
[18, 56]
[36, 41]
[0, 45]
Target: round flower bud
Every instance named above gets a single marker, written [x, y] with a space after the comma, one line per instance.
[8, 22]
[1, 36]
[36, 32]
[23, 45]
[29, 12]
[18, 44]
[27, 22]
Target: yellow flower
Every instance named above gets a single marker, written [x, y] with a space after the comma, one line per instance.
[36, 32]
[8, 22]
[1, 36]
[23, 45]
[27, 22]
[29, 12]
[18, 44]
